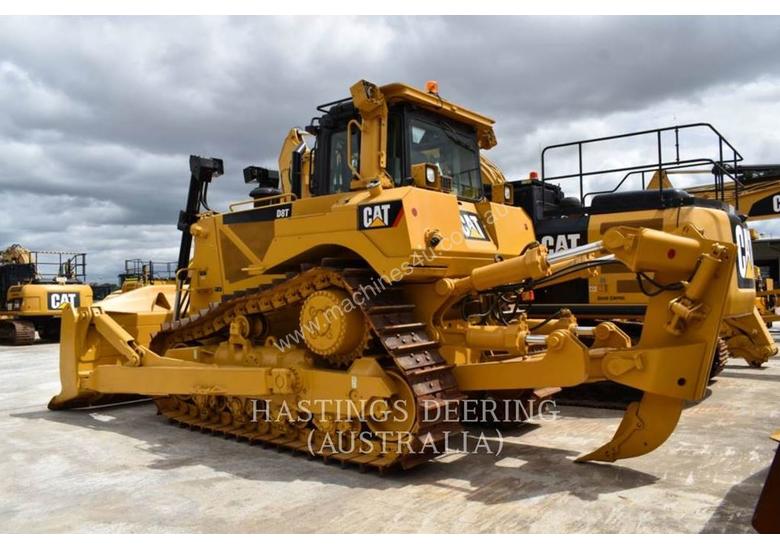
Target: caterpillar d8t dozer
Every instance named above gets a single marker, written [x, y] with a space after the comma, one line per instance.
[641, 195]
[34, 286]
[367, 292]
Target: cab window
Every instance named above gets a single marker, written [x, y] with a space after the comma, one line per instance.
[339, 173]
[395, 148]
[454, 151]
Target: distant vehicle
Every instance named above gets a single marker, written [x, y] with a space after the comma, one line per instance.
[140, 273]
[34, 286]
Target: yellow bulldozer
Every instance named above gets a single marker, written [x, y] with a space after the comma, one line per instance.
[614, 292]
[140, 273]
[34, 287]
[368, 293]
[137, 273]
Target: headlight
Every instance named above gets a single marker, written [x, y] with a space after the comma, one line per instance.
[430, 174]
[507, 193]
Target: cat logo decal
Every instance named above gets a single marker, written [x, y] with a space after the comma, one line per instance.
[380, 215]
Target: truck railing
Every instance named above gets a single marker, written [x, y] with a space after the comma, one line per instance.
[720, 187]
[725, 163]
[51, 265]
[136, 268]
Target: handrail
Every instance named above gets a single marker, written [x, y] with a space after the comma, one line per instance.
[74, 262]
[727, 166]
[694, 163]
[182, 299]
[292, 196]
[154, 270]
[63, 252]
[639, 133]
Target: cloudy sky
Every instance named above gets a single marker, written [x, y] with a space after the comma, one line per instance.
[99, 115]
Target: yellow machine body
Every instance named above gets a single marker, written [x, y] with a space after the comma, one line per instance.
[619, 284]
[615, 291]
[745, 334]
[46, 299]
[758, 200]
[383, 302]
[140, 273]
[33, 301]
[38, 307]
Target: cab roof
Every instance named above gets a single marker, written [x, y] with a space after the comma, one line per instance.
[398, 92]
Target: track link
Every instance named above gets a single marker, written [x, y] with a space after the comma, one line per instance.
[17, 332]
[721, 357]
[401, 345]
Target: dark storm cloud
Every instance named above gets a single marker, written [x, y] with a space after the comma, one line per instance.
[548, 68]
[99, 114]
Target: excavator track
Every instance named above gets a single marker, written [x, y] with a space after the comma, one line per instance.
[17, 333]
[399, 342]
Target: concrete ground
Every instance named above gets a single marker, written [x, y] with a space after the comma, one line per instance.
[124, 469]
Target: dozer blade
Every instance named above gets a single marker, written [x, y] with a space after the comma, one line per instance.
[95, 400]
[105, 335]
[75, 328]
[645, 426]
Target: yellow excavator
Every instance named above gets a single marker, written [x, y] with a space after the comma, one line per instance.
[34, 286]
[755, 191]
[614, 292]
[368, 293]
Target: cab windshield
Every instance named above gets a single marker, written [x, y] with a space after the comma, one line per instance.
[454, 151]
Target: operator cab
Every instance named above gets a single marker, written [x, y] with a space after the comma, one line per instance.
[13, 275]
[423, 149]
